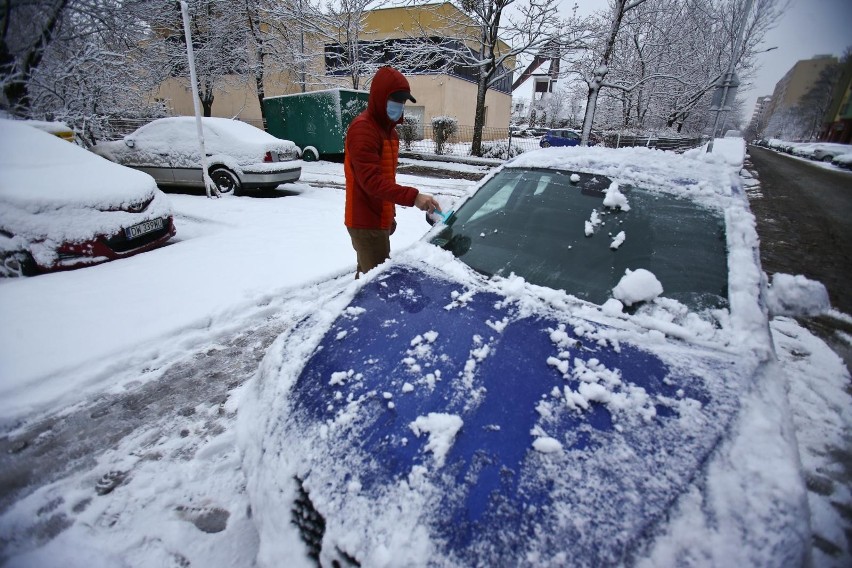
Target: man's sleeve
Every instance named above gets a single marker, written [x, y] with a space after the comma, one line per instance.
[365, 149]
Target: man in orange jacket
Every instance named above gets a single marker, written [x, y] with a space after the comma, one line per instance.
[371, 156]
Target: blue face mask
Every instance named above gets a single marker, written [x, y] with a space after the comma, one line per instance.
[395, 110]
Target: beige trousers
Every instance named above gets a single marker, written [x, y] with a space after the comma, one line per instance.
[372, 247]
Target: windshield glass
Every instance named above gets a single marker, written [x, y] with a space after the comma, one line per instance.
[555, 232]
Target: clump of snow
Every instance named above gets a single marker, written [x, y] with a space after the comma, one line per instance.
[575, 178]
[794, 296]
[636, 286]
[593, 222]
[618, 240]
[442, 429]
[612, 307]
[547, 445]
[614, 199]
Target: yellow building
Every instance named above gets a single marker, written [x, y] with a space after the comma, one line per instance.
[449, 93]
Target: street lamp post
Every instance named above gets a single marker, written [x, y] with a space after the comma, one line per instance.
[190, 55]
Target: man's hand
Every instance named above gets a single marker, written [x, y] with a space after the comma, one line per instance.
[426, 202]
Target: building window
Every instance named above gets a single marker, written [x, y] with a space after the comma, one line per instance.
[411, 56]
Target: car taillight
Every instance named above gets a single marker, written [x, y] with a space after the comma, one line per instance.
[267, 157]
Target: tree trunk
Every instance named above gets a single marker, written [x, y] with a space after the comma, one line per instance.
[259, 63]
[479, 116]
[618, 11]
[16, 89]
[206, 96]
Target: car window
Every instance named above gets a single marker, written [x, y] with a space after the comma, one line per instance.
[533, 223]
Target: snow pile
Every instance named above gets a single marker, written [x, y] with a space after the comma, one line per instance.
[614, 199]
[728, 151]
[796, 296]
[637, 286]
[442, 429]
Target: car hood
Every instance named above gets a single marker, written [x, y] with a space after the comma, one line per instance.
[479, 431]
[39, 171]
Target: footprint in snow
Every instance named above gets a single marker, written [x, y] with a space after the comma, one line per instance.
[206, 519]
[110, 481]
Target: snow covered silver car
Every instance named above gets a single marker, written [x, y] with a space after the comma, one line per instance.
[825, 152]
[62, 207]
[574, 369]
[239, 156]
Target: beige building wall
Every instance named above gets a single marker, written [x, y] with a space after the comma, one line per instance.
[798, 81]
[442, 95]
[236, 98]
[437, 95]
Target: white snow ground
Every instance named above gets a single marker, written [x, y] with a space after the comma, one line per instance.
[238, 263]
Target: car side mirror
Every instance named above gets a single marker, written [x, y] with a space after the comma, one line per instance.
[129, 143]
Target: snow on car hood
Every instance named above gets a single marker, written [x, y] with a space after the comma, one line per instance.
[443, 420]
[53, 189]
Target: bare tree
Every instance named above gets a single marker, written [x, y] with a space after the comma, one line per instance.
[219, 42]
[75, 61]
[484, 39]
[619, 9]
[663, 58]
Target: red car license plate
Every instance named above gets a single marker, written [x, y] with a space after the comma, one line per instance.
[143, 228]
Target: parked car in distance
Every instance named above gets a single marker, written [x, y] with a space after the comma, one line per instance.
[557, 375]
[843, 161]
[565, 137]
[239, 156]
[825, 152]
[62, 207]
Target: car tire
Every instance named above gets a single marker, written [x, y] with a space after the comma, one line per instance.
[827, 158]
[545, 144]
[226, 181]
[17, 264]
[310, 154]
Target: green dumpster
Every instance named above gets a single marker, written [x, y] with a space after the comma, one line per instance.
[315, 121]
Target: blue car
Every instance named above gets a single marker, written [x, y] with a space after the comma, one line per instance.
[565, 137]
[558, 375]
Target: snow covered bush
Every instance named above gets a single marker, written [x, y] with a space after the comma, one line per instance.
[408, 130]
[500, 150]
[443, 127]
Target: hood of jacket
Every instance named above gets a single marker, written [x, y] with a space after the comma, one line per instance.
[387, 81]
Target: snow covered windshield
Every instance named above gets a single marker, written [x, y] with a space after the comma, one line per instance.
[580, 233]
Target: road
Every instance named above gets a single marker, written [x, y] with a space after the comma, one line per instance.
[804, 219]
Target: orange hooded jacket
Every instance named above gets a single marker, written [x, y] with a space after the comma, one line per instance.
[371, 155]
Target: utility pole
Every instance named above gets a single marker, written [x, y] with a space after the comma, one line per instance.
[729, 80]
[193, 79]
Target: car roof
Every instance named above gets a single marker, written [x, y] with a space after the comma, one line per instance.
[233, 128]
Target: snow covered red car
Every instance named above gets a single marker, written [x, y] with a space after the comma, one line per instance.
[239, 156]
[574, 369]
[62, 207]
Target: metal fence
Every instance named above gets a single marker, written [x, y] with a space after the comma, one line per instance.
[674, 143]
[497, 143]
